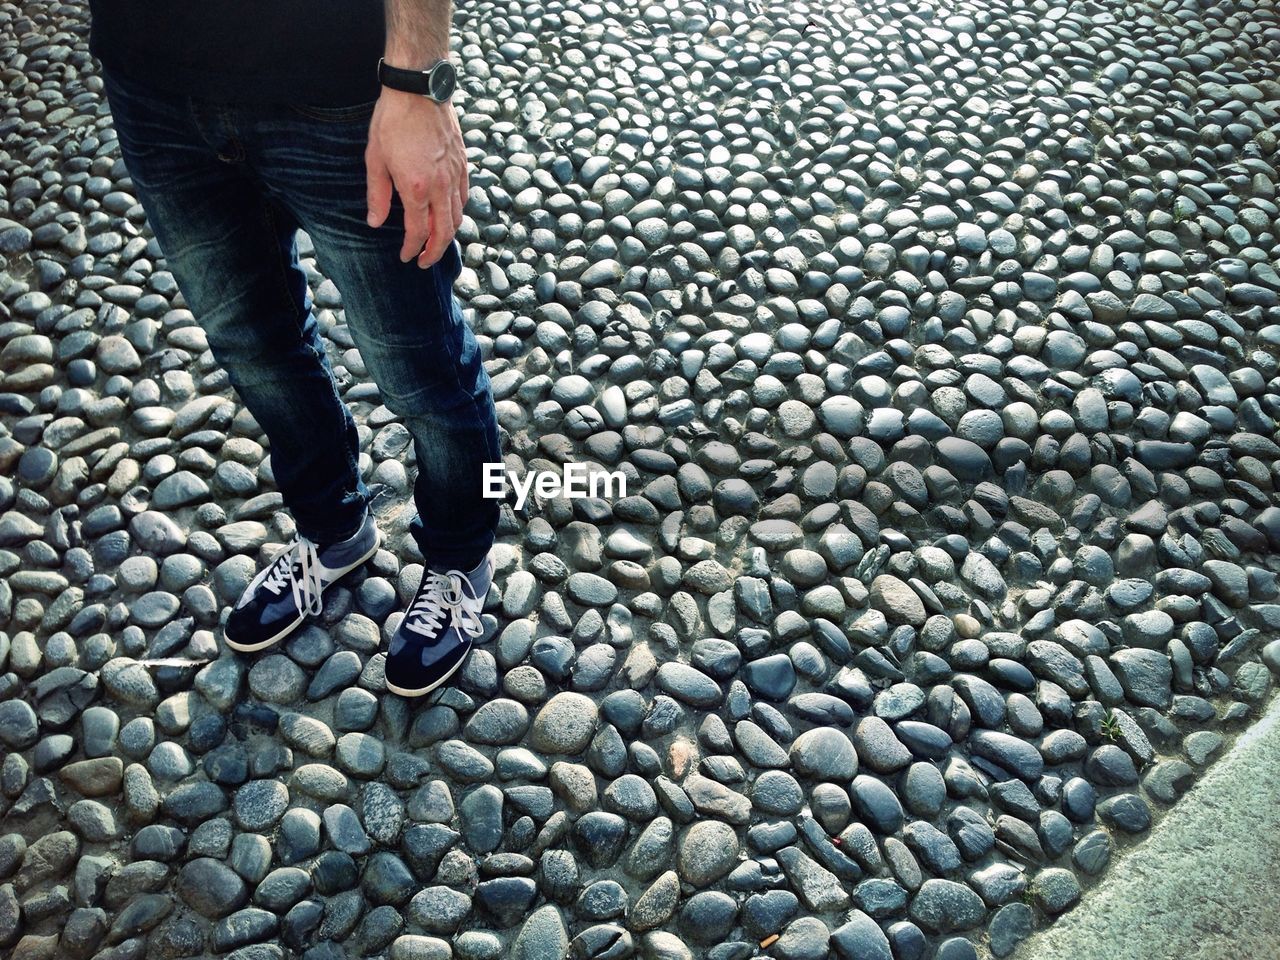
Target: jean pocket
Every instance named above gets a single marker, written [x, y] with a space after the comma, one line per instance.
[345, 114]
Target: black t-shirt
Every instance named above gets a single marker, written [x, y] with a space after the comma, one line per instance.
[320, 52]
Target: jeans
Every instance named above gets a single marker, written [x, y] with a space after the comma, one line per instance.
[226, 187]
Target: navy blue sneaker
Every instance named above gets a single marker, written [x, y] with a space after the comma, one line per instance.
[290, 588]
[435, 634]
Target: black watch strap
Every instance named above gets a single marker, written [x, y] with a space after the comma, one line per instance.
[418, 81]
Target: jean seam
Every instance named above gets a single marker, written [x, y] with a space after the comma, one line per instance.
[358, 111]
[282, 273]
[353, 462]
[449, 309]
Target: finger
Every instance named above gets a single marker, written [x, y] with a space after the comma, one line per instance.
[417, 228]
[463, 182]
[442, 230]
[454, 219]
[378, 188]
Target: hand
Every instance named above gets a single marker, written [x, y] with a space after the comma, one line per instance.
[415, 146]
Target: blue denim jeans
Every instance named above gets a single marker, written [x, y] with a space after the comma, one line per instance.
[225, 188]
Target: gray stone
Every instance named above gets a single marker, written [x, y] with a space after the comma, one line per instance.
[824, 753]
[943, 906]
[707, 851]
[210, 888]
[1146, 675]
[817, 887]
[565, 724]
[878, 747]
[541, 937]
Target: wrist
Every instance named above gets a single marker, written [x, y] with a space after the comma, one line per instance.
[408, 56]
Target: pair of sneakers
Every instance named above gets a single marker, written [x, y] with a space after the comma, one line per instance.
[434, 635]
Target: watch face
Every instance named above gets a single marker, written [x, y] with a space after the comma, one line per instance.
[443, 81]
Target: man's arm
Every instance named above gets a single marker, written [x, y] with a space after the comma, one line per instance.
[415, 144]
[417, 32]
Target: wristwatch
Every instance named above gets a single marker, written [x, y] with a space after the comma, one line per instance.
[436, 84]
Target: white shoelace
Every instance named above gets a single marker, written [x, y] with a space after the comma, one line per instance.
[443, 597]
[308, 584]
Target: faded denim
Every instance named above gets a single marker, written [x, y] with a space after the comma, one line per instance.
[226, 187]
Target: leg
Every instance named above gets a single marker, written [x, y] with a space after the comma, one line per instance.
[233, 254]
[404, 320]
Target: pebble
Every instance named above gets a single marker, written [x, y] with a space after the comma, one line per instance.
[876, 803]
[1015, 755]
[277, 679]
[1055, 890]
[259, 804]
[1009, 926]
[805, 938]
[565, 724]
[1145, 675]
[824, 753]
[541, 937]
[944, 906]
[706, 852]
[897, 601]
[878, 747]
[860, 937]
[656, 905]
[817, 887]
[210, 888]
[19, 728]
[1126, 811]
[360, 755]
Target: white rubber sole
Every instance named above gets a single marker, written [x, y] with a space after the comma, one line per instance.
[404, 692]
[271, 642]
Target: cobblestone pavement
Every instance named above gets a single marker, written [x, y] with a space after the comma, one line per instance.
[940, 349]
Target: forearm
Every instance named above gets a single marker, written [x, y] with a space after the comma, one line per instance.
[417, 32]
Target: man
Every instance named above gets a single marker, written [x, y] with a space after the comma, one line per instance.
[241, 123]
